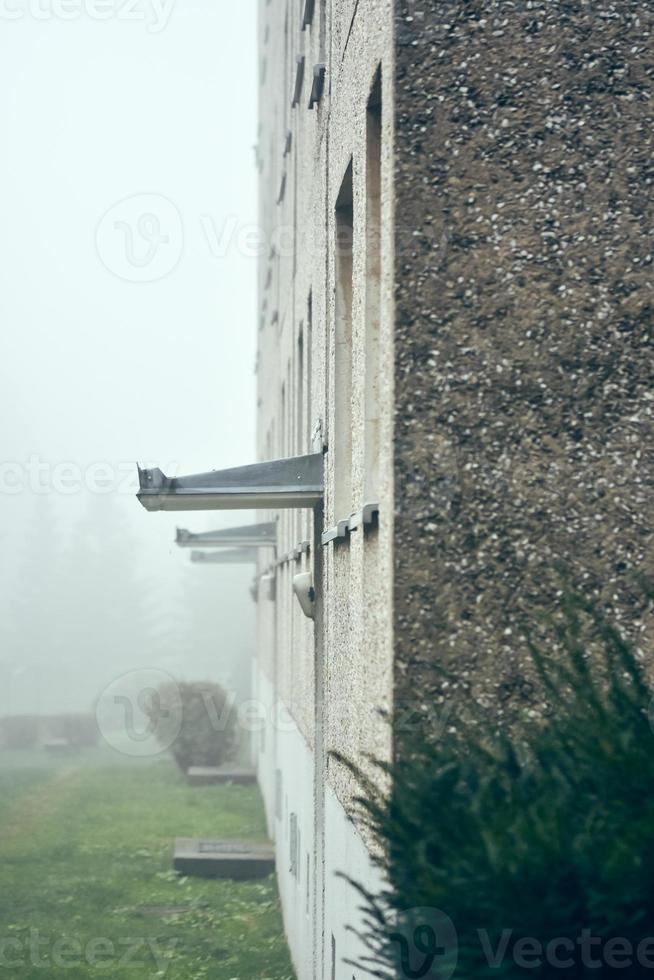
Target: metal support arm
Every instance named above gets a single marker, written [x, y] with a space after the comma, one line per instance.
[276, 485]
[252, 536]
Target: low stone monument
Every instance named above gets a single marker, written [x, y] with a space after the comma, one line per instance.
[57, 746]
[237, 860]
[220, 776]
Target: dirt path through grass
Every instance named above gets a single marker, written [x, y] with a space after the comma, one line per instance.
[34, 807]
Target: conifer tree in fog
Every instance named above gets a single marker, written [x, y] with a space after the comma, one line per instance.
[31, 624]
[103, 630]
[76, 616]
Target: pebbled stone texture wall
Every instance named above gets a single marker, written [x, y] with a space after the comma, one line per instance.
[523, 347]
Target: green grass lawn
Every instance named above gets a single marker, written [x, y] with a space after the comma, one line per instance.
[86, 886]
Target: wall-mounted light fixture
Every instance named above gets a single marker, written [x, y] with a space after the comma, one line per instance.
[276, 485]
[305, 592]
[251, 536]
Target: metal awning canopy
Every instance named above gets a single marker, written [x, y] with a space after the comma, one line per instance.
[238, 556]
[252, 536]
[280, 484]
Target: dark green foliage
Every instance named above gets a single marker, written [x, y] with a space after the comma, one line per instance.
[545, 831]
[197, 721]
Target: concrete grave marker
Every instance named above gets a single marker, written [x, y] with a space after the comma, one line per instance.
[238, 860]
[58, 746]
[220, 776]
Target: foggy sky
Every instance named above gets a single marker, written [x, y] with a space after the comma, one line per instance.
[97, 368]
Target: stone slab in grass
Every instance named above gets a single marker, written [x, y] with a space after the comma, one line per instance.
[237, 860]
[220, 776]
[57, 746]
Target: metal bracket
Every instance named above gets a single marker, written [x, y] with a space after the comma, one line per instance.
[280, 484]
[268, 587]
[238, 556]
[251, 536]
[367, 517]
[338, 533]
[294, 554]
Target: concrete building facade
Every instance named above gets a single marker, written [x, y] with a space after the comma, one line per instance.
[325, 158]
[455, 307]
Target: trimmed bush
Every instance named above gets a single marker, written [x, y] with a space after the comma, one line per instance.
[197, 721]
[537, 844]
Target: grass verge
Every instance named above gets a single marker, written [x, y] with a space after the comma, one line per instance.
[86, 887]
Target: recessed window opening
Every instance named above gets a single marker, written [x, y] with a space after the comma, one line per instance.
[308, 348]
[288, 418]
[308, 886]
[342, 435]
[300, 423]
[323, 29]
[373, 290]
[282, 426]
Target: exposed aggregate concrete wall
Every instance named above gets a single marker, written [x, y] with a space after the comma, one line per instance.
[523, 335]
